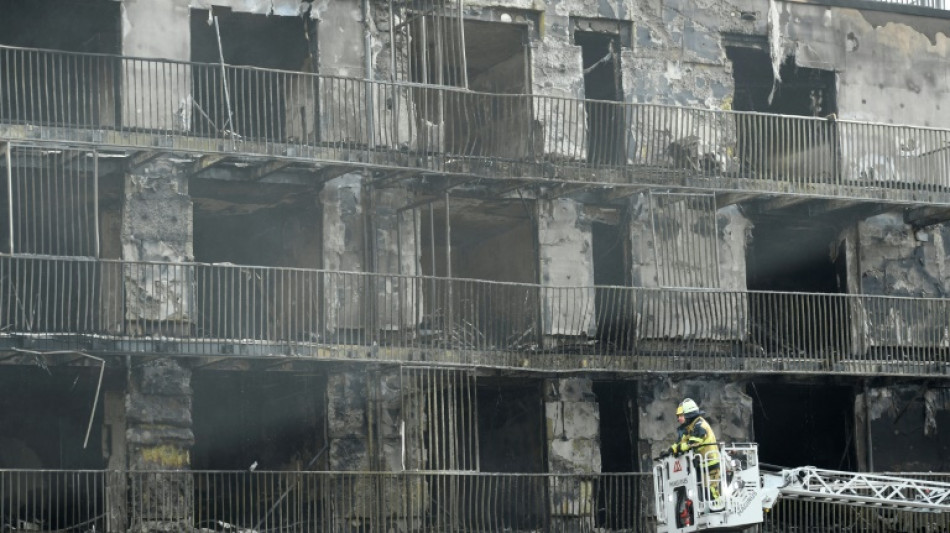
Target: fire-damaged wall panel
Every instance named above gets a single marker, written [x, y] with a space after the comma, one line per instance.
[907, 425]
[676, 240]
[685, 247]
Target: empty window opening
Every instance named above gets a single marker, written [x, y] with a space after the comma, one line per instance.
[52, 88]
[602, 84]
[490, 241]
[619, 433]
[255, 99]
[768, 148]
[511, 439]
[804, 424]
[613, 300]
[267, 226]
[790, 261]
[497, 57]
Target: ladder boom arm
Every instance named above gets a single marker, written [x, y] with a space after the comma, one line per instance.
[859, 489]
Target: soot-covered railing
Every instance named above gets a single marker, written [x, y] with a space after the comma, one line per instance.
[153, 104]
[224, 309]
[206, 501]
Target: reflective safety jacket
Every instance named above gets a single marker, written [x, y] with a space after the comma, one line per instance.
[699, 437]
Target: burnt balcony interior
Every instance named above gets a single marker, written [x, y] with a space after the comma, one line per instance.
[256, 100]
[487, 240]
[69, 25]
[46, 412]
[800, 255]
[798, 424]
[268, 225]
[800, 91]
[274, 420]
[495, 61]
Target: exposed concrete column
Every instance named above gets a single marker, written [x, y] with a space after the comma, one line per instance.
[159, 435]
[156, 95]
[566, 266]
[115, 450]
[573, 439]
[365, 435]
[157, 226]
[728, 410]
[344, 238]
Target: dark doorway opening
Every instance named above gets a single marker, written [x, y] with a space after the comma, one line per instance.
[804, 424]
[602, 86]
[619, 430]
[510, 439]
[612, 298]
[257, 97]
[795, 262]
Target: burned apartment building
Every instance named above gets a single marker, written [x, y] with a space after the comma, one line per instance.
[426, 265]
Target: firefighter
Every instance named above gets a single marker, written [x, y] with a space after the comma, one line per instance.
[696, 434]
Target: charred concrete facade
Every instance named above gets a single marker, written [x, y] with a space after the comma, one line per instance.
[412, 266]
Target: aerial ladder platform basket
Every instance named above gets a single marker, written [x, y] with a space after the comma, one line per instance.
[689, 499]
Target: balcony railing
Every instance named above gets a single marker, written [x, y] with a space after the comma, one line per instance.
[221, 310]
[57, 500]
[153, 104]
